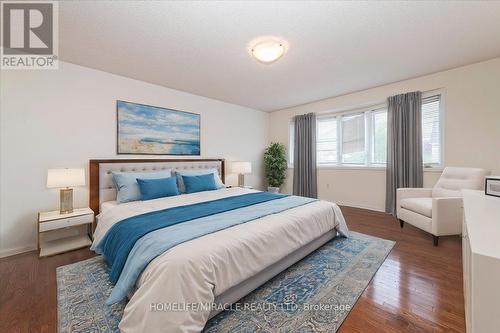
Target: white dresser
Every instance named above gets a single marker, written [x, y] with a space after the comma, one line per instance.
[481, 260]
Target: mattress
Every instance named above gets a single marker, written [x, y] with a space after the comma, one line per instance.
[107, 205]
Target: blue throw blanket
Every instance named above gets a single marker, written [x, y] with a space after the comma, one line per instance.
[121, 237]
[157, 242]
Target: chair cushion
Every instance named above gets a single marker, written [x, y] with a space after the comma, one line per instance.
[421, 206]
[454, 179]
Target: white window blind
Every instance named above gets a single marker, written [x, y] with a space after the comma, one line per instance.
[431, 131]
[379, 141]
[291, 142]
[326, 140]
[359, 137]
[353, 139]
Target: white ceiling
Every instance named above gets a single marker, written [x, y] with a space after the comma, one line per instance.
[334, 47]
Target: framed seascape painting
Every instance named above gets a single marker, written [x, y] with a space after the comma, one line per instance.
[151, 130]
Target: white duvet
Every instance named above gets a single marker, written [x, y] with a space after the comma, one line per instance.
[189, 276]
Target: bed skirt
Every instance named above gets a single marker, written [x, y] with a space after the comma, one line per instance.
[242, 289]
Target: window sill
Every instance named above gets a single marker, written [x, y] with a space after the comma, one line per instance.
[362, 167]
[351, 167]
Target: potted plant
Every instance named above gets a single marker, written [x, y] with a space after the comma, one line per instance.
[275, 166]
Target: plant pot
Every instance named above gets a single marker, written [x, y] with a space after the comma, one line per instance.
[273, 189]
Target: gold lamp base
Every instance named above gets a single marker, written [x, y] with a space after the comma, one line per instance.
[241, 180]
[66, 201]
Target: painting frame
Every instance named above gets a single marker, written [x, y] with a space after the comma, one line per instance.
[122, 151]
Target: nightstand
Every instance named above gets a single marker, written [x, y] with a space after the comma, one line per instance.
[52, 221]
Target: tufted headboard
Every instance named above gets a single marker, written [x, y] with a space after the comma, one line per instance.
[101, 181]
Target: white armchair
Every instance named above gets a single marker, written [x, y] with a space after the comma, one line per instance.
[438, 210]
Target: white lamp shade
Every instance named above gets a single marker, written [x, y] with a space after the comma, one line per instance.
[241, 167]
[57, 178]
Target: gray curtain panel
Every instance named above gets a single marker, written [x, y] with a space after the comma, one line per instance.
[304, 160]
[404, 145]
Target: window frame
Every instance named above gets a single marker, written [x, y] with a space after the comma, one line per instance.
[327, 116]
[428, 94]
[369, 112]
[291, 143]
[371, 145]
[340, 138]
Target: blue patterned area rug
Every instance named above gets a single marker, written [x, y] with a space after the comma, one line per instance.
[314, 295]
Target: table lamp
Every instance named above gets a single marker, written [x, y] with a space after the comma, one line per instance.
[64, 179]
[241, 168]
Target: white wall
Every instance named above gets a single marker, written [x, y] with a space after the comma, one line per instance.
[471, 133]
[64, 117]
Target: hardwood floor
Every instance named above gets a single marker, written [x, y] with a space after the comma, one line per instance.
[417, 289]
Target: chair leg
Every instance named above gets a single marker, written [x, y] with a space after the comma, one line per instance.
[436, 240]
[401, 223]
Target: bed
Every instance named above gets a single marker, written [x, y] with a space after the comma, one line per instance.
[187, 284]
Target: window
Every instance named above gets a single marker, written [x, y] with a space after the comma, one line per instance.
[379, 147]
[359, 137]
[431, 131]
[353, 139]
[326, 140]
[291, 142]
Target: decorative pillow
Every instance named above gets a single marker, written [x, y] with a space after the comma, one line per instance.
[127, 187]
[199, 183]
[157, 188]
[180, 182]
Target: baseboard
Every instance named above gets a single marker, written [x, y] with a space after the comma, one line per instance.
[17, 250]
[348, 204]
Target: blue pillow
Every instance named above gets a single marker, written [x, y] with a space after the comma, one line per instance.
[127, 187]
[157, 188]
[199, 183]
[180, 182]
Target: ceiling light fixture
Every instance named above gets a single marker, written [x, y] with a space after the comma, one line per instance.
[268, 51]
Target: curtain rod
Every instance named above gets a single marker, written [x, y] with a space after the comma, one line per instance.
[378, 104]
